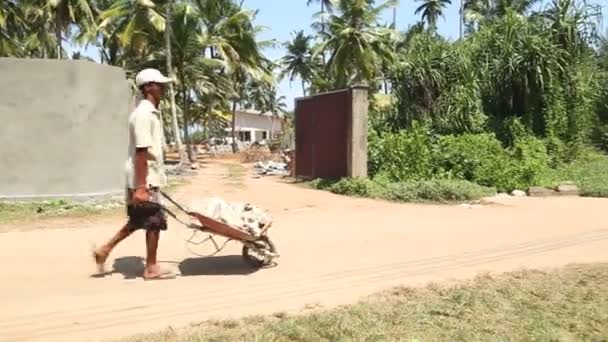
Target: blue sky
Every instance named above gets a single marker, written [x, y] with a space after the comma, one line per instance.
[282, 17]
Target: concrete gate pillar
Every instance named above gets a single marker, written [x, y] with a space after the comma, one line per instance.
[357, 132]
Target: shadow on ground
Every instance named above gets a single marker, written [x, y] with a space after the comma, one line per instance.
[132, 267]
[220, 265]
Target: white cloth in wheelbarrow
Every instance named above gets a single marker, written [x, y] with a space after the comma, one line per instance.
[240, 215]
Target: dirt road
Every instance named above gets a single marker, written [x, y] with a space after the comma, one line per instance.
[333, 251]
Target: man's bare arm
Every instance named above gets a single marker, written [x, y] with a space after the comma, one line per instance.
[141, 168]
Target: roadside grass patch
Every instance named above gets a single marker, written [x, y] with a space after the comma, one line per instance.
[443, 191]
[568, 304]
[11, 212]
[589, 172]
[24, 211]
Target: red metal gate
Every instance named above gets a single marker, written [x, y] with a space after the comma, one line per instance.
[322, 123]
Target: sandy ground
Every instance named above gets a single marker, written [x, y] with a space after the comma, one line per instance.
[334, 250]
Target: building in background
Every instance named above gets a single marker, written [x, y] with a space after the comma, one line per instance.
[255, 126]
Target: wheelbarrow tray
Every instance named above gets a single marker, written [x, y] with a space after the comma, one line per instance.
[219, 228]
[258, 251]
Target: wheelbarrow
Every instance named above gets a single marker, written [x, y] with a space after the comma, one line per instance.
[258, 250]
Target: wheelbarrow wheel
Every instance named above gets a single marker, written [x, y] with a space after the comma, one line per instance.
[254, 257]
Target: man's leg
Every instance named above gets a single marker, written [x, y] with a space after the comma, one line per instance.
[154, 224]
[102, 253]
[152, 268]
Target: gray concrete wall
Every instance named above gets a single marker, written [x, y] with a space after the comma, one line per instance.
[63, 131]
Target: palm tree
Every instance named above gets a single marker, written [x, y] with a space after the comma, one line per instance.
[71, 12]
[573, 27]
[298, 60]
[355, 42]
[178, 142]
[12, 29]
[33, 29]
[327, 6]
[476, 12]
[230, 36]
[431, 11]
[132, 25]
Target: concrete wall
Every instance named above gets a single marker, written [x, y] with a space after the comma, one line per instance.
[63, 131]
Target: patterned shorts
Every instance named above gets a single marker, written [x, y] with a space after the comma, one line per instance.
[148, 216]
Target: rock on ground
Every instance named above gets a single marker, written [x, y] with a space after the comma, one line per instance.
[537, 191]
[568, 190]
[518, 193]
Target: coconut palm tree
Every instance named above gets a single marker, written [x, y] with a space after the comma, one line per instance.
[134, 25]
[13, 29]
[229, 35]
[327, 6]
[572, 26]
[66, 13]
[355, 42]
[298, 60]
[431, 11]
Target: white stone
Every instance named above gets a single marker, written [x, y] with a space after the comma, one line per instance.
[518, 193]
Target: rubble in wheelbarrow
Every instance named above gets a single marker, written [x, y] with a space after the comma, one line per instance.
[271, 168]
[244, 216]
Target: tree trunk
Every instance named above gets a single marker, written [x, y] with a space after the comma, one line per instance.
[461, 18]
[186, 117]
[162, 132]
[178, 140]
[58, 35]
[208, 117]
[234, 146]
[323, 28]
[395, 18]
[303, 88]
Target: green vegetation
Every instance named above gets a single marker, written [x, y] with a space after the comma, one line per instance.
[570, 304]
[415, 155]
[589, 172]
[13, 212]
[411, 191]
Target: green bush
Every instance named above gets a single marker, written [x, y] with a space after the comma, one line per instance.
[531, 161]
[414, 155]
[478, 158]
[589, 173]
[411, 191]
[360, 187]
[406, 155]
[197, 137]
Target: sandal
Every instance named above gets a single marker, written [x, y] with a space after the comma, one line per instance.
[161, 276]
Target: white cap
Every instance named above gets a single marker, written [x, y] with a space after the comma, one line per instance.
[150, 76]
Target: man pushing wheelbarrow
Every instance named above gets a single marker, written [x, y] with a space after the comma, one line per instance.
[145, 176]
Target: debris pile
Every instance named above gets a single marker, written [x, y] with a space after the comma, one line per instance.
[240, 215]
[271, 168]
[255, 154]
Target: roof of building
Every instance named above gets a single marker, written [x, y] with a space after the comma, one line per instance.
[258, 112]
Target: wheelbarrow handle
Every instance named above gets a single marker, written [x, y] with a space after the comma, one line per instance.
[179, 206]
